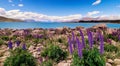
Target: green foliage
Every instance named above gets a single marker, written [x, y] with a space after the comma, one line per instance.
[1, 42]
[20, 57]
[36, 41]
[110, 36]
[60, 40]
[54, 53]
[14, 37]
[90, 58]
[117, 54]
[6, 38]
[29, 36]
[47, 63]
[110, 48]
[109, 55]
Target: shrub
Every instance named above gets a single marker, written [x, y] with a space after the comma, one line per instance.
[117, 54]
[110, 48]
[36, 41]
[110, 55]
[60, 40]
[1, 42]
[47, 63]
[29, 36]
[54, 52]
[90, 58]
[6, 38]
[14, 37]
[20, 57]
[110, 36]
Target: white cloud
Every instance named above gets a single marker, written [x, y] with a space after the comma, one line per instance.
[97, 2]
[109, 17]
[28, 16]
[20, 5]
[17, 14]
[2, 12]
[93, 13]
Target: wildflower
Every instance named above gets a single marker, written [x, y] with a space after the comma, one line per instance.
[79, 47]
[73, 36]
[18, 42]
[90, 38]
[70, 45]
[83, 41]
[73, 40]
[119, 37]
[109, 41]
[40, 59]
[24, 47]
[10, 45]
[40, 36]
[101, 43]
[38, 49]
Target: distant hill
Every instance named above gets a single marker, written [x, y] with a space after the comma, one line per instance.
[4, 19]
[99, 21]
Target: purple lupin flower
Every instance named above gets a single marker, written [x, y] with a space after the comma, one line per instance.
[40, 36]
[26, 31]
[38, 49]
[109, 41]
[10, 45]
[73, 36]
[24, 46]
[40, 59]
[83, 41]
[119, 37]
[18, 42]
[70, 45]
[101, 43]
[90, 38]
[79, 47]
[73, 40]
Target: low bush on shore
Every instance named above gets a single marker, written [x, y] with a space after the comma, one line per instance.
[20, 57]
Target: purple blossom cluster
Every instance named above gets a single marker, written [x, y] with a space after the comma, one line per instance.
[80, 47]
[101, 43]
[90, 38]
[70, 45]
[26, 32]
[73, 40]
[81, 44]
[38, 36]
[18, 43]
[10, 44]
[24, 46]
[82, 36]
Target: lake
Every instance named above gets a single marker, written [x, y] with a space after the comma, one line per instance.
[25, 25]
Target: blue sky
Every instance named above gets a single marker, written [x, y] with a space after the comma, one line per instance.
[63, 7]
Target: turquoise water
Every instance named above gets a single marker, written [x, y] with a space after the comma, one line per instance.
[24, 25]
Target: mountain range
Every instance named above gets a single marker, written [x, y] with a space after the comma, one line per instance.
[84, 19]
[5, 19]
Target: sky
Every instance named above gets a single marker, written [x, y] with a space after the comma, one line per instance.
[53, 10]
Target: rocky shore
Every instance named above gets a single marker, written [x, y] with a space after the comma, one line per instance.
[58, 36]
